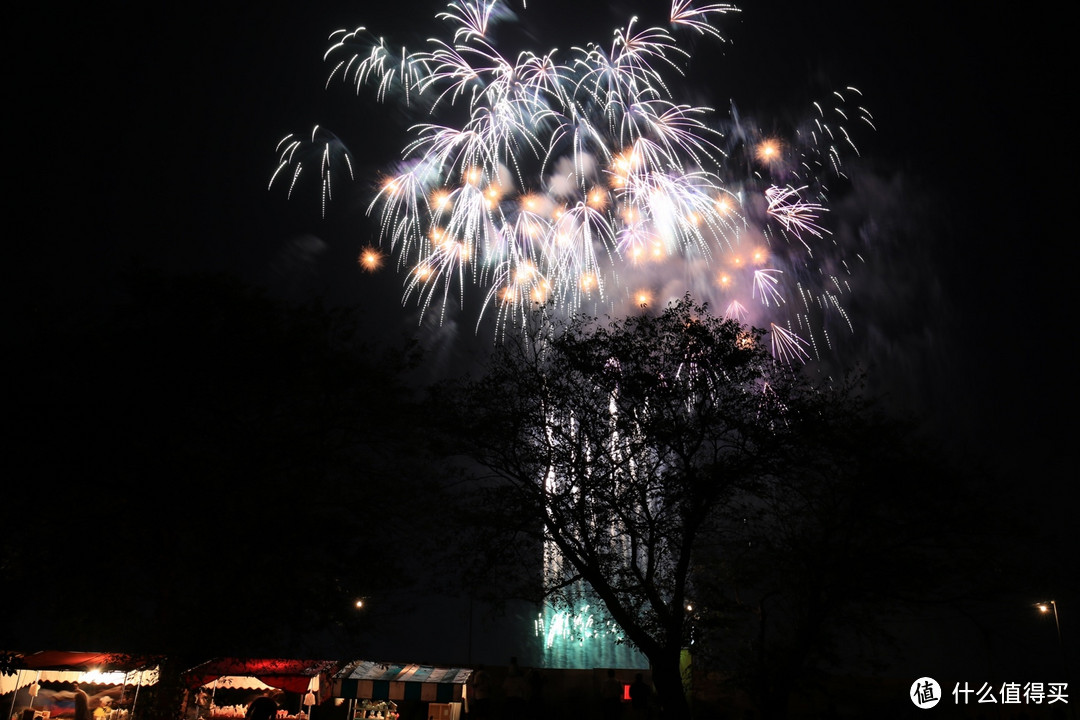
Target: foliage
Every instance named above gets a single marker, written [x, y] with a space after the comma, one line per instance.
[864, 526]
[708, 496]
[618, 450]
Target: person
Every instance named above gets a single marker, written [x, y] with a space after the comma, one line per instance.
[481, 693]
[104, 710]
[611, 697]
[262, 708]
[82, 705]
[202, 704]
[640, 694]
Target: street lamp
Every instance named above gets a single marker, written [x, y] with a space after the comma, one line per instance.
[1046, 608]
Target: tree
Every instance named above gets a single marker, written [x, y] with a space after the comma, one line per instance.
[619, 448]
[869, 522]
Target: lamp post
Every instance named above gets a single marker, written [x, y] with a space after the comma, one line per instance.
[1045, 608]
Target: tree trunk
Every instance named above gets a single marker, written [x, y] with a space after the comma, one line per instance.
[166, 698]
[670, 689]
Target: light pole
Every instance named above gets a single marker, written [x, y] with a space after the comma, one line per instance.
[1051, 606]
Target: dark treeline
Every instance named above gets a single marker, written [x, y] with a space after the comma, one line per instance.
[197, 461]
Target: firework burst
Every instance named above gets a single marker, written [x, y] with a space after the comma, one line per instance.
[577, 179]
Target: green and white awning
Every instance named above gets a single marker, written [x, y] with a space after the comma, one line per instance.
[366, 680]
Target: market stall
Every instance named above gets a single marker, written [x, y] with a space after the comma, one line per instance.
[223, 687]
[376, 690]
[44, 685]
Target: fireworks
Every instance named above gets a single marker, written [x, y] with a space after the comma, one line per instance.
[577, 179]
[323, 145]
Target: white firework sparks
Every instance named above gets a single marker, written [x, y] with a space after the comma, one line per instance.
[577, 177]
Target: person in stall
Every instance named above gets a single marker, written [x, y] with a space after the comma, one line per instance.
[104, 710]
[82, 704]
[202, 704]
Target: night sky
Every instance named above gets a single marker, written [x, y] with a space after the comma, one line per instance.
[148, 138]
[145, 137]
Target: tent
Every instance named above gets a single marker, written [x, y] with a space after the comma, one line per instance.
[85, 668]
[366, 680]
[298, 676]
[302, 677]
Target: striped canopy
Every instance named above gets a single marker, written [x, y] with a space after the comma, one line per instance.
[368, 680]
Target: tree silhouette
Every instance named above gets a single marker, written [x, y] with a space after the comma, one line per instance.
[618, 450]
[868, 522]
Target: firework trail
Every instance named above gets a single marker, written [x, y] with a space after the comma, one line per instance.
[577, 179]
[324, 148]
